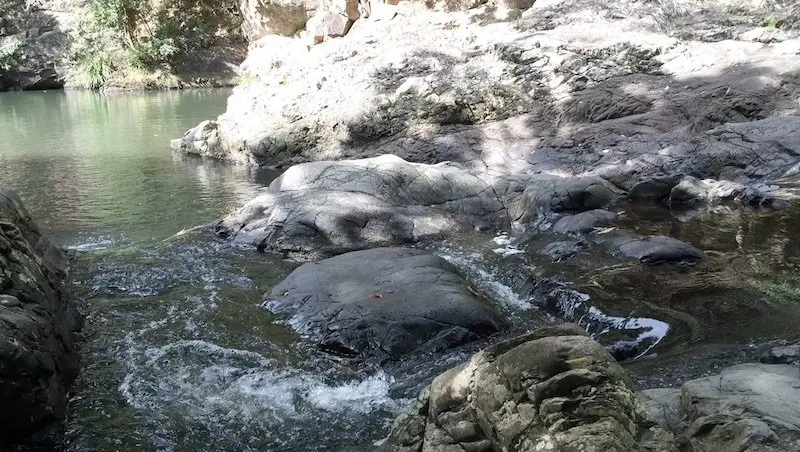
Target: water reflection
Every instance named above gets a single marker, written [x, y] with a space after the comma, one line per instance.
[90, 165]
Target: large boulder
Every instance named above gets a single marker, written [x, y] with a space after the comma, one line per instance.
[326, 208]
[747, 407]
[383, 303]
[39, 323]
[549, 390]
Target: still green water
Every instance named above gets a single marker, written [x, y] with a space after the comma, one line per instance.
[99, 166]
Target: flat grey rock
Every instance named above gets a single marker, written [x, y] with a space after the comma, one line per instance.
[327, 208]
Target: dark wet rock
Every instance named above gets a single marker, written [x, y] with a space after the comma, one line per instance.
[584, 222]
[552, 389]
[565, 249]
[39, 322]
[383, 303]
[655, 189]
[326, 208]
[784, 354]
[625, 337]
[652, 250]
[542, 195]
[747, 407]
[693, 191]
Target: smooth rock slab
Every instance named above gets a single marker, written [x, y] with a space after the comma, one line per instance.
[383, 303]
[327, 208]
[583, 222]
[653, 250]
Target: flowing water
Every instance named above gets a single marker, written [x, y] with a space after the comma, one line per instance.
[179, 356]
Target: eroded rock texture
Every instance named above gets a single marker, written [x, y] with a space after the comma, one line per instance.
[39, 322]
[747, 407]
[552, 389]
[326, 208]
[692, 99]
[34, 43]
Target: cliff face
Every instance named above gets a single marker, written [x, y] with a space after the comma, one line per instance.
[34, 43]
[39, 323]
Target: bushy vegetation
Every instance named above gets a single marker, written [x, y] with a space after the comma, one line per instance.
[131, 38]
[9, 52]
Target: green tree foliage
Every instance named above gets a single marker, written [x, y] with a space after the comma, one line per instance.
[122, 35]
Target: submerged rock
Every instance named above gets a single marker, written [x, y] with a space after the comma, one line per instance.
[383, 303]
[39, 322]
[652, 250]
[552, 389]
[747, 407]
[583, 222]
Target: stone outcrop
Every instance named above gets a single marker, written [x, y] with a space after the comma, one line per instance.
[552, 389]
[557, 93]
[325, 208]
[39, 322]
[747, 407]
[384, 303]
[556, 389]
[34, 44]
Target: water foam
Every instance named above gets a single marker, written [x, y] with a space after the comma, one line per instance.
[472, 264]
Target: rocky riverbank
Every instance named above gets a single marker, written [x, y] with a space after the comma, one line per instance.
[39, 328]
[555, 389]
[698, 97]
[584, 139]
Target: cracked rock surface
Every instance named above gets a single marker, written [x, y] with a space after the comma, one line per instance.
[38, 326]
[383, 303]
[551, 389]
[747, 407]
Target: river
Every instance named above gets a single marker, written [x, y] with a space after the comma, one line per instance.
[179, 356]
